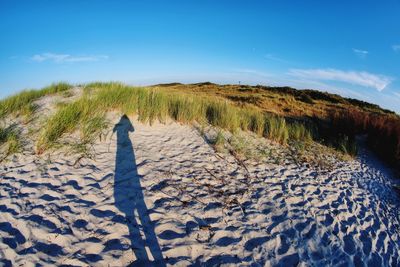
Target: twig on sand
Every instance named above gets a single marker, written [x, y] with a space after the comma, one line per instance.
[213, 175]
[239, 161]
[169, 174]
[3, 158]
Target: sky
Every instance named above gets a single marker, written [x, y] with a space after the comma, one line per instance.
[351, 48]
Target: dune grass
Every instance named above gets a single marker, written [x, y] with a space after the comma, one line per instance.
[9, 141]
[282, 114]
[83, 113]
[153, 104]
[300, 132]
[23, 101]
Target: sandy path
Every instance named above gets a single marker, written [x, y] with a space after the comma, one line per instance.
[172, 197]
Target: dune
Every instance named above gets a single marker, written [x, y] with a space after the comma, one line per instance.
[160, 195]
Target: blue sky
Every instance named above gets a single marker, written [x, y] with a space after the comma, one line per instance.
[347, 47]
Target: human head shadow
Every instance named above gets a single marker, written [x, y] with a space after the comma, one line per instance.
[129, 199]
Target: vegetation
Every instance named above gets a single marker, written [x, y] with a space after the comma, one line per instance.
[329, 119]
[383, 132]
[23, 101]
[9, 142]
[83, 114]
[218, 141]
[282, 114]
[284, 101]
[152, 104]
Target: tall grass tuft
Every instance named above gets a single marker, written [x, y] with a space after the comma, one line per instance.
[84, 112]
[184, 109]
[299, 132]
[9, 138]
[221, 114]
[151, 106]
[276, 129]
[257, 123]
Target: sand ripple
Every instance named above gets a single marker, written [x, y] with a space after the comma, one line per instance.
[205, 209]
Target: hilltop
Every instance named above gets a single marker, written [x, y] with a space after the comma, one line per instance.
[198, 174]
[282, 114]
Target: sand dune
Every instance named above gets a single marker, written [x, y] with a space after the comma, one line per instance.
[161, 194]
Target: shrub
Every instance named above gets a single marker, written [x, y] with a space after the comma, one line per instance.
[306, 98]
[382, 130]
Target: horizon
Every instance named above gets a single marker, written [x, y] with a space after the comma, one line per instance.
[301, 45]
[200, 82]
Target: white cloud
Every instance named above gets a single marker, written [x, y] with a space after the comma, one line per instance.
[275, 58]
[252, 72]
[61, 58]
[396, 48]
[360, 53]
[379, 82]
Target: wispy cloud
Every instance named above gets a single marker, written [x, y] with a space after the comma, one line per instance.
[252, 72]
[275, 58]
[377, 81]
[61, 58]
[360, 53]
[396, 48]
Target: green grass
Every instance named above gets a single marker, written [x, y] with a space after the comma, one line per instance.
[347, 145]
[9, 141]
[218, 141]
[299, 132]
[83, 113]
[152, 104]
[277, 129]
[23, 101]
[256, 122]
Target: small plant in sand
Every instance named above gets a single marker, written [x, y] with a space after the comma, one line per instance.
[218, 142]
[28, 112]
[9, 142]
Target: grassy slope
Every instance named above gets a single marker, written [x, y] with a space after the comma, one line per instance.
[335, 120]
[284, 101]
[21, 104]
[282, 114]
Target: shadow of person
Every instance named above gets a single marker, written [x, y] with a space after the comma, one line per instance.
[129, 199]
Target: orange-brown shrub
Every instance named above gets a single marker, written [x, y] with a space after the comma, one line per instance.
[383, 131]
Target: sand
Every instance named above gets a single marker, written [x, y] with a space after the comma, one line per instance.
[160, 195]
